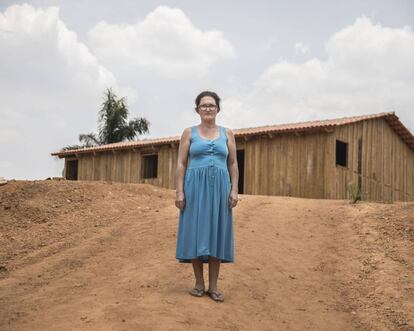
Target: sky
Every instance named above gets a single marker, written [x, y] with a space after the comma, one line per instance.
[271, 62]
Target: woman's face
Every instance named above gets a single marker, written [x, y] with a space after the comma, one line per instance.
[207, 109]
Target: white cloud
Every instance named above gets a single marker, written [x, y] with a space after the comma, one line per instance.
[165, 42]
[369, 68]
[42, 45]
[301, 48]
[51, 87]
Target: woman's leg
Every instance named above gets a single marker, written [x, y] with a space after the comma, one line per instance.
[198, 273]
[213, 272]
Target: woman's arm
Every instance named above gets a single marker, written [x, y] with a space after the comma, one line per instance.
[181, 168]
[233, 168]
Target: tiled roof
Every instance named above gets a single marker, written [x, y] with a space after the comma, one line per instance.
[390, 117]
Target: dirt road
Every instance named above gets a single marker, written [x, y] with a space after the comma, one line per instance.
[101, 256]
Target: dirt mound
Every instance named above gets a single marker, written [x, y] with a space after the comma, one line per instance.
[101, 256]
[37, 214]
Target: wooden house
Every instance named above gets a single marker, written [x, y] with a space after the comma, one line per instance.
[317, 159]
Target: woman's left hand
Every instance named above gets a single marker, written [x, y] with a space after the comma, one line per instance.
[233, 198]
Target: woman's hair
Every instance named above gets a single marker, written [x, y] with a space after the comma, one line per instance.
[208, 94]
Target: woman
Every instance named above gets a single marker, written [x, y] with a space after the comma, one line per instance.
[206, 191]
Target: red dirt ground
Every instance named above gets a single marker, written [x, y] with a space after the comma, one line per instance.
[77, 255]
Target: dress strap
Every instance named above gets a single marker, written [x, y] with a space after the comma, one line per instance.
[223, 130]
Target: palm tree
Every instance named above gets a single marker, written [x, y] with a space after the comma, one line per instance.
[112, 124]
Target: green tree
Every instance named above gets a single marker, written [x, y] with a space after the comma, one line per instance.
[113, 124]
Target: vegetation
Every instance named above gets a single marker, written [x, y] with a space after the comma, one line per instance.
[113, 125]
[355, 193]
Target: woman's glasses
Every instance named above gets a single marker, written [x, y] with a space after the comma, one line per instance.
[209, 106]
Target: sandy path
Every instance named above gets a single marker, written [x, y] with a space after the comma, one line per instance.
[295, 263]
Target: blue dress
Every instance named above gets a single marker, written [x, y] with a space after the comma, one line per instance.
[206, 224]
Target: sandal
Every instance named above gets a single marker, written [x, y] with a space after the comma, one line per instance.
[215, 295]
[197, 292]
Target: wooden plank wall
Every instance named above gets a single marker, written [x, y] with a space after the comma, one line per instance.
[338, 177]
[286, 164]
[167, 164]
[398, 170]
[125, 167]
[387, 163]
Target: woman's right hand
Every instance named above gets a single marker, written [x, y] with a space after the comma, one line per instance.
[180, 200]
